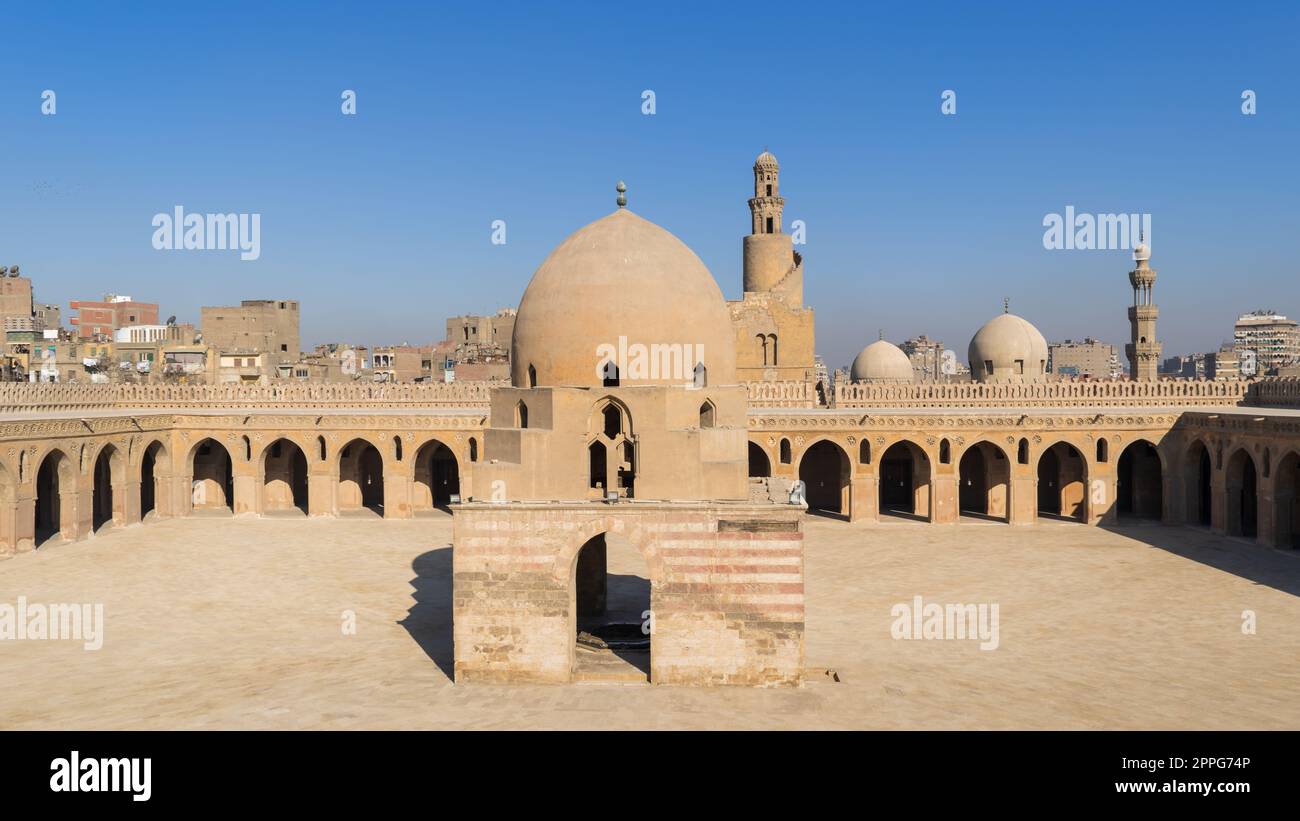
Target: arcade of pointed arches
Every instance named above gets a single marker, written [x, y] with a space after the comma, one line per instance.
[1240, 485]
[64, 490]
[1240, 488]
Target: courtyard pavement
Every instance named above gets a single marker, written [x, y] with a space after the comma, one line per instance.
[238, 623]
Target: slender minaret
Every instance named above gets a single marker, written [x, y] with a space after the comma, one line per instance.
[769, 258]
[1144, 351]
[767, 202]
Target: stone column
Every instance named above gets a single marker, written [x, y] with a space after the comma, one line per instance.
[1175, 501]
[129, 493]
[24, 524]
[247, 498]
[1266, 505]
[164, 495]
[8, 528]
[864, 499]
[1024, 498]
[397, 494]
[182, 494]
[77, 509]
[321, 500]
[943, 507]
[1219, 502]
[1102, 500]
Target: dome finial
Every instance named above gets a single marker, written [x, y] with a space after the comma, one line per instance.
[1006, 304]
[881, 333]
[621, 188]
[1142, 253]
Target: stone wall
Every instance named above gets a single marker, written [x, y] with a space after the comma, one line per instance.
[726, 589]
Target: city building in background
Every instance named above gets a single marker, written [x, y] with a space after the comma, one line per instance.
[926, 356]
[476, 348]
[242, 366]
[1089, 359]
[402, 363]
[255, 326]
[478, 338]
[1274, 339]
[114, 311]
[1225, 363]
[334, 362]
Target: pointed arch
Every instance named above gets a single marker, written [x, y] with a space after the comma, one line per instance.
[361, 477]
[56, 499]
[437, 477]
[212, 482]
[1286, 507]
[825, 470]
[904, 483]
[707, 414]
[1242, 481]
[1062, 483]
[108, 479]
[984, 482]
[155, 480]
[1198, 473]
[1139, 481]
[759, 465]
[283, 470]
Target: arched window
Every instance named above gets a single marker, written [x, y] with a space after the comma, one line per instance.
[521, 415]
[397, 448]
[762, 346]
[473, 449]
[611, 374]
[320, 441]
[532, 377]
[613, 421]
[785, 451]
[945, 452]
[1022, 452]
[248, 450]
[701, 375]
[771, 344]
[1103, 450]
[598, 465]
[864, 453]
[706, 415]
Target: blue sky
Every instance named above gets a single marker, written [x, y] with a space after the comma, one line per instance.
[467, 113]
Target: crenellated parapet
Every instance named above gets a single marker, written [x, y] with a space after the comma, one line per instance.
[790, 393]
[1065, 393]
[1277, 392]
[26, 398]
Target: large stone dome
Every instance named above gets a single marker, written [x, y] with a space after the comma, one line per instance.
[1012, 347]
[881, 361]
[619, 283]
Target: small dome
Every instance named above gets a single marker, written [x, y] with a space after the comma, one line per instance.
[882, 361]
[766, 160]
[1012, 347]
[621, 283]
